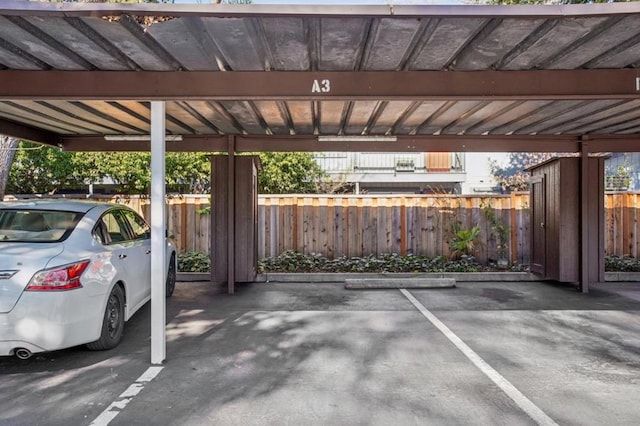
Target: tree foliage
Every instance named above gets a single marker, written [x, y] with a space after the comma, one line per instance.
[513, 177]
[289, 173]
[47, 170]
[41, 169]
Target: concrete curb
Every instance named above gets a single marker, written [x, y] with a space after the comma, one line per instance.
[621, 276]
[187, 277]
[328, 277]
[456, 276]
[395, 283]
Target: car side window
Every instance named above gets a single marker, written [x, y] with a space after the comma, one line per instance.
[111, 229]
[140, 228]
[101, 234]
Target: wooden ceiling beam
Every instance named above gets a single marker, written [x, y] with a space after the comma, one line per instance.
[335, 85]
[29, 133]
[443, 143]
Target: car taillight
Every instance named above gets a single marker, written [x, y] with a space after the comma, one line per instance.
[65, 277]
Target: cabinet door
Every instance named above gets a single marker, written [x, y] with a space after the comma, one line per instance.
[538, 225]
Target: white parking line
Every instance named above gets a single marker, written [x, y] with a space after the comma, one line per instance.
[125, 397]
[512, 392]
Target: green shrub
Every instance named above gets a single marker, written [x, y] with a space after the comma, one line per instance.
[194, 262]
[292, 261]
[615, 263]
[464, 241]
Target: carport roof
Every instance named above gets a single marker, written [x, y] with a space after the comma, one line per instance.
[443, 78]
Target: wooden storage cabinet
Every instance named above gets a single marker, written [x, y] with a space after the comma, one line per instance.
[246, 217]
[556, 216]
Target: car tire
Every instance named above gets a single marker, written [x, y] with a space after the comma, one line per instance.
[112, 322]
[171, 276]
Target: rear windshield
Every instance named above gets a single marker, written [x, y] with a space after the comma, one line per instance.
[43, 226]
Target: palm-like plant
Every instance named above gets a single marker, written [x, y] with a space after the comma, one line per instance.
[464, 241]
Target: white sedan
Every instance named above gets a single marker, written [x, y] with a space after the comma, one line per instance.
[72, 273]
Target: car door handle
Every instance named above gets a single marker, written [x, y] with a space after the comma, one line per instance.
[122, 256]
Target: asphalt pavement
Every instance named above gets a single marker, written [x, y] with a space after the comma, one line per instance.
[319, 354]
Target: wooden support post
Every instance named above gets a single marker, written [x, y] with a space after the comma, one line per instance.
[231, 214]
[584, 217]
[183, 227]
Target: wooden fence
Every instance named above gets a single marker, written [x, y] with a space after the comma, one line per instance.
[350, 225]
[622, 227]
[361, 225]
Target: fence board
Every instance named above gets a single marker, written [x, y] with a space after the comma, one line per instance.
[330, 227]
[609, 225]
[470, 210]
[281, 218]
[325, 226]
[634, 225]
[355, 244]
[513, 227]
[617, 217]
[370, 226]
[262, 238]
[426, 230]
[338, 228]
[307, 231]
[521, 207]
[626, 224]
[403, 226]
[413, 221]
[267, 227]
[275, 231]
[299, 224]
[194, 222]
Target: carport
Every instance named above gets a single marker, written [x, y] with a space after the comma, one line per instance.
[246, 78]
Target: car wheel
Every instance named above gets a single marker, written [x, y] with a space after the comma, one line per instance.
[112, 323]
[171, 276]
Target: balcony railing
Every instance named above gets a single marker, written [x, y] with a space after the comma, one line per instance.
[431, 162]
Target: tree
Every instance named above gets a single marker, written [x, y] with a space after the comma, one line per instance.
[189, 172]
[513, 176]
[47, 170]
[289, 173]
[185, 172]
[130, 171]
[41, 169]
[8, 148]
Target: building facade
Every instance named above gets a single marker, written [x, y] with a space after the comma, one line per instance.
[414, 173]
[622, 172]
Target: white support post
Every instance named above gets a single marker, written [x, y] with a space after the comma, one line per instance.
[158, 231]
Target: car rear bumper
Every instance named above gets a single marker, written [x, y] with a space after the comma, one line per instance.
[51, 321]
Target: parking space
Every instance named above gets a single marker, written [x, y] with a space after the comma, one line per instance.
[275, 353]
